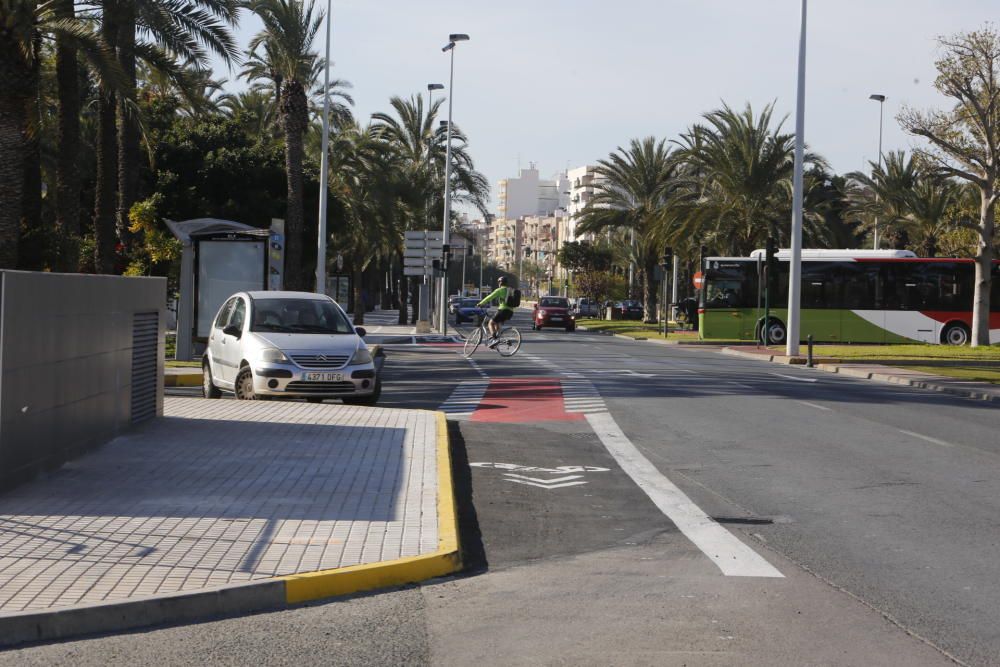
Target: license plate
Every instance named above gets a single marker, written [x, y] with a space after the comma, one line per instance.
[323, 377]
[556, 319]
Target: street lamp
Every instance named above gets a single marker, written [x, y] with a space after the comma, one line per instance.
[323, 167]
[795, 261]
[453, 39]
[665, 261]
[881, 107]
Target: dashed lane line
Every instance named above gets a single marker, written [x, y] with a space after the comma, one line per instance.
[927, 438]
[815, 405]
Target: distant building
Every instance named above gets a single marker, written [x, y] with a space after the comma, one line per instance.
[527, 194]
[581, 182]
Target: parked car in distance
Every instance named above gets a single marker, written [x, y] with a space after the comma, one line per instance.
[629, 309]
[587, 307]
[468, 311]
[453, 302]
[290, 345]
[553, 311]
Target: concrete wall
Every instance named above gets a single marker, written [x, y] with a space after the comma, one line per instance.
[66, 352]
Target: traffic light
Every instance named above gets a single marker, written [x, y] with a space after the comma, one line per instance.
[771, 259]
[668, 256]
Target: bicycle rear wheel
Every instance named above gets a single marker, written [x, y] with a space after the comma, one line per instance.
[510, 342]
[472, 343]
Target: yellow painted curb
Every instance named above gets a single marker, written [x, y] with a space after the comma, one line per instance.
[447, 558]
[182, 379]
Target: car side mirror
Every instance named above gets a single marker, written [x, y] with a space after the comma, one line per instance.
[361, 331]
[233, 330]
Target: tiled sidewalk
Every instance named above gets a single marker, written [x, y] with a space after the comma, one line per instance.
[222, 492]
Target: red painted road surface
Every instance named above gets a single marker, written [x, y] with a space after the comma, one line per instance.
[522, 400]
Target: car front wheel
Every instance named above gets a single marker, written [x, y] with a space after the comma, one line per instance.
[244, 385]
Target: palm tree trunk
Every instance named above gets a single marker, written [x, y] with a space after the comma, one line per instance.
[294, 117]
[128, 128]
[67, 195]
[359, 302]
[32, 254]
[649, 299]
[402, 284]
[19, 85]
[107, 158]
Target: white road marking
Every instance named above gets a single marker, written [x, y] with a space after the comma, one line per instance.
[792, 377]
[740, 384]
[927, 438]
[734, 558]
[815, 405]
[544, 486]
[554, 480]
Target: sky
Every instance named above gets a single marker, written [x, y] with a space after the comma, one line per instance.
[565, 82]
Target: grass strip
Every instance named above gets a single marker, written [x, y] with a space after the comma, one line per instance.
[915, 352]
[970, 373]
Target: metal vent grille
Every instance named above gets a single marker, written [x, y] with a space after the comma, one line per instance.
[145, 339]
[320, 360]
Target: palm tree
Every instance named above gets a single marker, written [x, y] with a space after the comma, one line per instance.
[635, 193]
[929, 207]
[881, 198]
[420, 144]
[364, 181]
[284, 48]
[185, 29]
[738, 173]
[26, 23]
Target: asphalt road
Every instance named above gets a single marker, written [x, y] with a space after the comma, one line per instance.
[877, 504]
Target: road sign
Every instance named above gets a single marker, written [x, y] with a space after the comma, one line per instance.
[421, 248]
[699, 280]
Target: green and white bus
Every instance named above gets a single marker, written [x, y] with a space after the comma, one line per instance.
[848, 296]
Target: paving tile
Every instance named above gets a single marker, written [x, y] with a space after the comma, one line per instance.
[222, 492]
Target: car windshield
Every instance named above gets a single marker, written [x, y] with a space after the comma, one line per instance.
[553, 303]
[299, 316]
[470, 303]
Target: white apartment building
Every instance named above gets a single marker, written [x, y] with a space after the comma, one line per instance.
[581, 182]
[527, 194]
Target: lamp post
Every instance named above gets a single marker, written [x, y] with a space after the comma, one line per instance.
[323, 166]
[453, 39]
[795, 261]
[665, 262]
[881, 107]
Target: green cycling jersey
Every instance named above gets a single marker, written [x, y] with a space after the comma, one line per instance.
[499, 293]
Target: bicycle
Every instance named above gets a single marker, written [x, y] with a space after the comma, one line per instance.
[509, 339]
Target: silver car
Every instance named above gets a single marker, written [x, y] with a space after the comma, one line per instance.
[288, 344]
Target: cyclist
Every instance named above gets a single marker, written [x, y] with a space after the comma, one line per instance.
[504, 312]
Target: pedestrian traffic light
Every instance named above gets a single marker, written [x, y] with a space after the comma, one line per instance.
[668, 255]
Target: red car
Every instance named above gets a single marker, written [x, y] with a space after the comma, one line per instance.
[553, 311]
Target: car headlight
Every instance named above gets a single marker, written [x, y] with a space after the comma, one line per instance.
[541, 313]
[362, 356]
[272, 355]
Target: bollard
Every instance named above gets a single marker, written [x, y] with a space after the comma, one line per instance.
[809, 351]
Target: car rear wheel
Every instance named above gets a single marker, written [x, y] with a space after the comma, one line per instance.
[244, 385]
[208, 388]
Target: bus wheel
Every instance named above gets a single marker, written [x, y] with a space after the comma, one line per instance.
[776, 332]
[955, 333]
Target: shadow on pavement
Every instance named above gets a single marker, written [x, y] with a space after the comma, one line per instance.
[470, 537]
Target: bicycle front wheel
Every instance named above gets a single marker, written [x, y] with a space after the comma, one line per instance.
[510, 342]
[472, 343]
